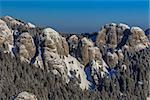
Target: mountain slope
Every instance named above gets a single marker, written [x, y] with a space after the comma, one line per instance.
[110, 64]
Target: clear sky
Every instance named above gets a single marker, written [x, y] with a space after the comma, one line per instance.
[80, 15]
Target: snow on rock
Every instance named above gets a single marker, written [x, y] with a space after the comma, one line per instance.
[137, 40]
[85, 41]
[120, 54]
[112, 59]
[76, 70]
[94, 53]
[123, 26]
[59, 41]
[98, 67]
[11, 21]
[73, 45]
[73, 38]
[100, 39]
[73, 41]
[107, 34]
[84, 46]
[26, 96]
[6, 37]
[111, 35]
[135, 29]
[94, 70]
[26, 47]
[31, 25]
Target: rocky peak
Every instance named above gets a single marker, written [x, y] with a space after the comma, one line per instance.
[12, 22]
[59, 41]
[100, 64]
[137, 40]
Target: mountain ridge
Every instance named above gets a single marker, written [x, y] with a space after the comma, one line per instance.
[87, 60]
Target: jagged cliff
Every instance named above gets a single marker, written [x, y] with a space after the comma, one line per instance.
[110, 64]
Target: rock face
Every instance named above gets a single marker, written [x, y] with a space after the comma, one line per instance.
[56, 58]
[84, 47]
[6, 36]
[25, 96]
[137, 40]
[73, 45]
[26, 47]
[107, 35]
[114, 62]
[112, 59]
[111, 35]
[58, 40]
[12, 22]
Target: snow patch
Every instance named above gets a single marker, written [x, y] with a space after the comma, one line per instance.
[133, 29]
[124, 26]
[31, 25]
[74, 65]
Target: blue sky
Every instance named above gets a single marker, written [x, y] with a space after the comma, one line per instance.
[80, 15]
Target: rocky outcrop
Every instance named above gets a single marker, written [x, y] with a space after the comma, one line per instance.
[84, 47]
[73, 45]
[6, 36]
[56, 58]
[114, 62]
[26, 47]
[137, 40]
[12, 22]
[57, 39]
[107, 36]
[111, 35]
[25, 96]
[111, 59]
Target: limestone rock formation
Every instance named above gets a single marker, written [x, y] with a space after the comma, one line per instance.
[26, 47]
[73, 45]
[25, 96]
[76, 72]
[84, 47]
[12, 22]
[112, 59]
[56, 58]
[121, 30]
[6, 36]
[111, 35]
[115, 65]
[59, 41]
[137, 40]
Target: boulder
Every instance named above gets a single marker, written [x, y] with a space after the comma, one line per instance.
[26, 96]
